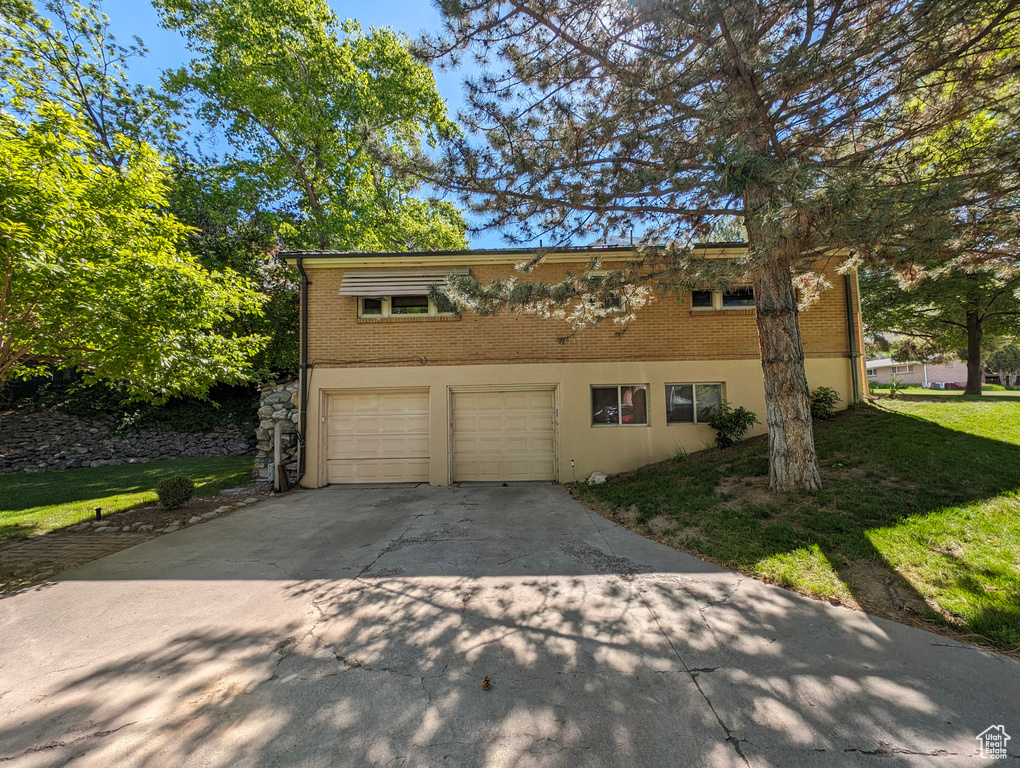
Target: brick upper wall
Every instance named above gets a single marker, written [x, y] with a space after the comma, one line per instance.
[666, 329]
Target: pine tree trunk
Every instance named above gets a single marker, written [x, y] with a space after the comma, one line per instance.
[974, 334]
[793, 464]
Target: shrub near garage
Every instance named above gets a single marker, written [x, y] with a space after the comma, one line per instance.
[174, 491]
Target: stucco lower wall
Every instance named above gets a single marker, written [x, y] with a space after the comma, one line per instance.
[606, 449]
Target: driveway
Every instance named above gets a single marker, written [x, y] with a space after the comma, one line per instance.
[354, 627]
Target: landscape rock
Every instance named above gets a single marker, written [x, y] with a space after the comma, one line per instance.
[145, 528]
[43, 440]
[195, 519]
[596, 478]
[209, 515]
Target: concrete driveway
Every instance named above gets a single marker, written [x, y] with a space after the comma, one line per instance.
[353, 627]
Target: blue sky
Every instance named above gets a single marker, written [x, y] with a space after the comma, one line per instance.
[167, 49]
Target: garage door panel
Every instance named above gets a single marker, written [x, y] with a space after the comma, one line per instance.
[378, 437]
[499, 436]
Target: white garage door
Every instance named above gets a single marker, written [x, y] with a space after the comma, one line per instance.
[377, 436]
[504, 435]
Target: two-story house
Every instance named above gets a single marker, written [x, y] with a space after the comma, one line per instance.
[396, 389]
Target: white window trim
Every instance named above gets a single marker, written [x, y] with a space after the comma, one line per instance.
[873, 371]
[619, 399]
[717, 303]
[898, 369]
[694, 398]
[386, 311]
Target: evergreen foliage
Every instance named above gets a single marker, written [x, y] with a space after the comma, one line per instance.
[666, 116]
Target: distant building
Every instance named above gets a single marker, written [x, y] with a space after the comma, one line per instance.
[925, 375]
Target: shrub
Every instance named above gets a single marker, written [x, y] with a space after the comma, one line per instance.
[823, 403]
[730, 424]
[174, 491]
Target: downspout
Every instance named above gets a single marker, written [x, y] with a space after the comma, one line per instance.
[851, 325]
[303, 385]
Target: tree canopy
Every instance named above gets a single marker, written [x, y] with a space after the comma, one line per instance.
[666, 115]
[304, 101]
[92, 275]
[950, 309]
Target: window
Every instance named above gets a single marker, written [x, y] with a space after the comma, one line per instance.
[873, 372]
[688, 403]
[732, 298]
[409, 305]
[702, 300]
[903, 369]
[399, 306]
[736, 298]
[626, 404]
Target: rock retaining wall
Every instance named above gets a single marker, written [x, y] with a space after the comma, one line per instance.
[279, 404]
[37, 441]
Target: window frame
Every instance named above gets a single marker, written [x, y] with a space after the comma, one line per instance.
[619, 397]
[694, 398]
[717, 300]
[897, 370]
[387, 309]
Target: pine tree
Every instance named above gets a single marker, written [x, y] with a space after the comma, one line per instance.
[662, 116]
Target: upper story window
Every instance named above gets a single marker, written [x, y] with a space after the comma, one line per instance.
[702, 299]
[736, 298]
[733, 298]
[399, 306]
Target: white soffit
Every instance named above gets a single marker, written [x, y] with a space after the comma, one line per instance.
[394, 282]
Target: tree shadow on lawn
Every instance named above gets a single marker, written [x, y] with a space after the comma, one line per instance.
[592, 669]
[904, 522]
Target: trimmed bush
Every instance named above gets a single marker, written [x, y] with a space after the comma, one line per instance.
[730, 424]
[174, 491]
[823, 403]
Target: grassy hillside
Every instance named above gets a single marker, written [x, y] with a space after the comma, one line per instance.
[919, 518]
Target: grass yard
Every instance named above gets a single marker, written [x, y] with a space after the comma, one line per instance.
[32, 503]
[918, 520]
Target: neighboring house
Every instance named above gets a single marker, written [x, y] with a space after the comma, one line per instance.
[917, 374]
[398, 390]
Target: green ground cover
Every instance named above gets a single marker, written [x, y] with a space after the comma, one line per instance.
[32, 503]
[919, 518]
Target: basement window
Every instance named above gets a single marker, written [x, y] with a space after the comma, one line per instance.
[619, 405]
[689, 403]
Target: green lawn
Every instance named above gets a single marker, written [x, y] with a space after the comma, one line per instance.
[33, 503]
[919, 518]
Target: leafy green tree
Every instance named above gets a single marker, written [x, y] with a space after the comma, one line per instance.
[64, 53]
[308, 105]
[92, 275]
[951, 309]
[1006, 362]
[230, 231]
[664, 115]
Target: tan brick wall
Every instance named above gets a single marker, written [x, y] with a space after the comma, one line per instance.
[667, 329]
